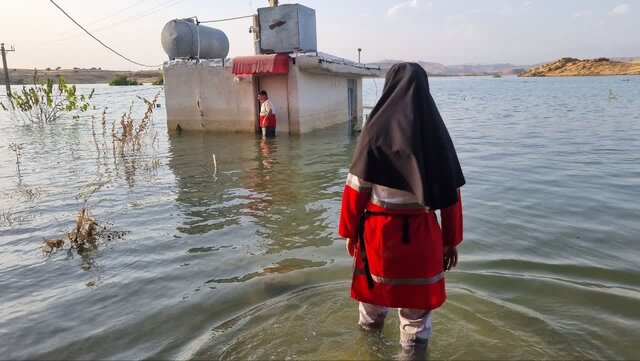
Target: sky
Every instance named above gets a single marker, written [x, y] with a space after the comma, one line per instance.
[451, 32]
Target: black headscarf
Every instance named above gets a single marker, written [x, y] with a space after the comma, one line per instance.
[405, 144]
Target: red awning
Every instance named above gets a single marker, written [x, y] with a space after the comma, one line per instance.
[261, 64]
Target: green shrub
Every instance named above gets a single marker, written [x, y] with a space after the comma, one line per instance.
[122, 79]
[159, 80]
[47, 101]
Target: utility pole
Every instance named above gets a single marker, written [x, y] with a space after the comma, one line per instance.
[6, 70]
[359, 50]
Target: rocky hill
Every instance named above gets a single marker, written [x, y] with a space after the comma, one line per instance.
[437, 69]
[587, 67]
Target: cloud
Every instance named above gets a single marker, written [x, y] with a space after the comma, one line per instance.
[528, 2]
[583, 14]
[621, 9]
[407, 4]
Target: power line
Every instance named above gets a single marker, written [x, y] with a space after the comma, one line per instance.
[98, 40]
[227, 19]
[155, 8]
[118, 12]
[89, 23]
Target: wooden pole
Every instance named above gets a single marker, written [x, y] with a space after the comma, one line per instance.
[6, 70]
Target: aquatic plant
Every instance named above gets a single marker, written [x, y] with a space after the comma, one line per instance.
[17, 148]
[84, 240]
[133, 145]
[6, 218]
[85, 237]
[122, 79]
[30, 193]
[129, 139]
[9, 219]
[130, 133]
[104, 130]
[47, 101]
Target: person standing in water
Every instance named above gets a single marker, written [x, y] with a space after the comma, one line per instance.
[267, 115]
[404, 168]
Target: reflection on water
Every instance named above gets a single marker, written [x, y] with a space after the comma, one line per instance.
[276, 186]
[284, 266]
[237, 257]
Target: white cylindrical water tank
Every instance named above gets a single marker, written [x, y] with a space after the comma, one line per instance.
[180, 40]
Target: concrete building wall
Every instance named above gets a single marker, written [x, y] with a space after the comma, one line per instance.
[203, 97]
[209, 98]
[321, 99]
[294, 99]
[359, 97]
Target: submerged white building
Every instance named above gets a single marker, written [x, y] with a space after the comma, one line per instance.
[310, 90]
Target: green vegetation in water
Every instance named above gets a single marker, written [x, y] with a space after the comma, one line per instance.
[159, 80]
[85, 237]
[131, 147]
[129, 138]
[122, 79]
[17, 148]
[47, 101]
[130, 134]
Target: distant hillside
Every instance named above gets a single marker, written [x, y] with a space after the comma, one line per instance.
[627, 59]
[587, 67]
[437, 69]
[79, 76]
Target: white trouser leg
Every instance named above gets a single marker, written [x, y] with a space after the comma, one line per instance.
[415, 327]
[371, 316]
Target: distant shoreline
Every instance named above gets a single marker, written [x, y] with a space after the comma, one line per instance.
[566, 67]
[79, 76]
[616, 66]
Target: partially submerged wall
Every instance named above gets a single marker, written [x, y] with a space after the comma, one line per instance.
[206, 97]
[320, 100]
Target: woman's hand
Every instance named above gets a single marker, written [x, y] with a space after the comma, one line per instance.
[351, 246]
[450, 258]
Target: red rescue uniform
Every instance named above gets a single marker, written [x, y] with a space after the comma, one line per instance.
[403, 244]
[267, 120]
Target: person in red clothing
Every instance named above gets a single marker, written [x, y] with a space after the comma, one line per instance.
[267, 115]
[404, 169]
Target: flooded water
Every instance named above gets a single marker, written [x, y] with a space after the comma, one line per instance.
[239, 258]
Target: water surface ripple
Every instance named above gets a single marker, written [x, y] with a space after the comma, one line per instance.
[240, 259]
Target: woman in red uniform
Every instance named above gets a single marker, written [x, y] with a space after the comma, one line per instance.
[404, 168]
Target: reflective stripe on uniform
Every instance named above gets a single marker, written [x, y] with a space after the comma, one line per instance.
[358, 184]
[384, 204]
[403, 281]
